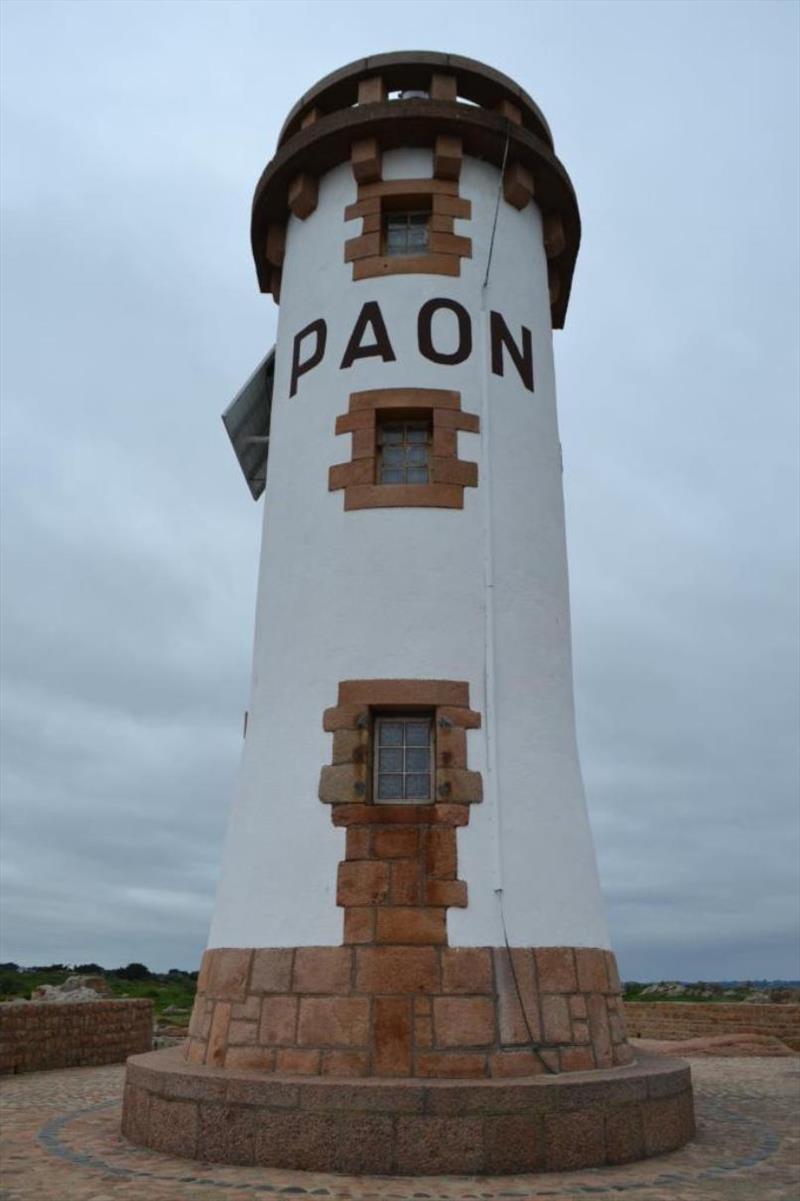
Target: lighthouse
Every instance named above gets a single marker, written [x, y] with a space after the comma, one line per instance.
[409, 967]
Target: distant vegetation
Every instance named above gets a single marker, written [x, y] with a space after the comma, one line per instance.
[172, 989]
[762, 991]
[175, 989]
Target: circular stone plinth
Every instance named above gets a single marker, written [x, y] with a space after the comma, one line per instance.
[407, 1127]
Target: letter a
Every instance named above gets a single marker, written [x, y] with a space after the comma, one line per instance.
[371, 316]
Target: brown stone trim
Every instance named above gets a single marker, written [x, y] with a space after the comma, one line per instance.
[443, 87]
[276, 244]
[293, 1006]
[371, 90]
[518, 187]
[444, 76]
[365, 159]
[486, 135]
[404, 692]
[445, 250]
[555, 240]
[303, 195]
[449, 475]
[428, 264]
[510, 111]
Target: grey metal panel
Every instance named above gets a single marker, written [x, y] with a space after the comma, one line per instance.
[247, 421]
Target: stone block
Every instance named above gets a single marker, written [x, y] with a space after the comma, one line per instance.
[463, 1021]
[228, 974]
[592, 973]
[573, 1140]
[446, 893]
[362, 882]
[258, 1059]
[437, 1145]
[226, 1133]
[298, 1140]
[409, 925]
[467, 970]
[358, 842]
[345, 1063]
[218, 1038]
[396, 969]
[278, 1020]
[333, 1021]
[172, 1126]
[598, 1025]
[556, 1024]
[359, 925]
[404, 888]
[513, 1143]
[518, 187]
[365, 159]
[322, 969]
[449, 1065]
[392, 1036]
[440, 852]
[625, 1134]
[555, 967]
[577, 1059]
[663, 1125]
[297, 1061]
[272, 970]
[504, 1064]
[303, 195]
[516, 1026]
[398, 843]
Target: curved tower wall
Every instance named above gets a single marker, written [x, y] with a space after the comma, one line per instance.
[352, 935]
[402, 592]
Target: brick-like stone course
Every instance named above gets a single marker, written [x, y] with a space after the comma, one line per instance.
[685, 1019]
[37, 1037]
[400, 1126]
[410, 1009]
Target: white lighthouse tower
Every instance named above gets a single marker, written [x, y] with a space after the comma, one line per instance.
[409, 893]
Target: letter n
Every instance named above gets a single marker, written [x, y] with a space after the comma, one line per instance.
[500, 337]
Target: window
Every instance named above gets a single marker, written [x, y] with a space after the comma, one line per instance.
[406, 232]
[403, 452]
[403, 758]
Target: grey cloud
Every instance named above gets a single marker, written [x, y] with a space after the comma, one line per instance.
[132, 138]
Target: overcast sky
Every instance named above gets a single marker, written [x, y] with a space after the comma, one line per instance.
[133, 136]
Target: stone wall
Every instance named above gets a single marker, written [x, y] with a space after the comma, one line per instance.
[662, 1019]
[400, 1010]
[36, 1037]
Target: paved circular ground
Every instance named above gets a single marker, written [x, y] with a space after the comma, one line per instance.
[61, 1142]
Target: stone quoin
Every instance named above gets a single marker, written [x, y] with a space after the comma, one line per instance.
[408, 949]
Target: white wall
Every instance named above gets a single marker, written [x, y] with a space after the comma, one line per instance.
[389, 593]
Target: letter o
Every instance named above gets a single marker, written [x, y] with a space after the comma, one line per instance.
[424, 335]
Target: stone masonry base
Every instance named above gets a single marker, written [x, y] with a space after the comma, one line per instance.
[409, 1126]
[389, 1010]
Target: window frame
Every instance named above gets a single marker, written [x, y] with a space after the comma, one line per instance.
[404, 715]
[406, 421]
[392, 214]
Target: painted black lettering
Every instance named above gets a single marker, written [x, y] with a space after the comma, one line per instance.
[370, 316]
[500, 336]
[425, 335]
[319, 328]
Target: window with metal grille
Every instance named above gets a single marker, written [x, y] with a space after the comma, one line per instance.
[403, 758]
[406, 232]
[404, 452]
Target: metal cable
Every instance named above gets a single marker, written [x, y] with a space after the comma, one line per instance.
[534, 1045]
[496, 211]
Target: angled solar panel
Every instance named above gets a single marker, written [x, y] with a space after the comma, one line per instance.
[247, 420]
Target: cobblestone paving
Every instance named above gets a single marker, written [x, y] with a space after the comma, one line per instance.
[61, 1142]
